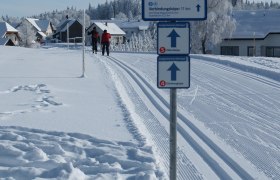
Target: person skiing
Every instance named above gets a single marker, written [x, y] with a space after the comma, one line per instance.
[95, 38]
[105, 41]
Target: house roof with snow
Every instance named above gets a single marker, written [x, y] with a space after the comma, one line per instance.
[5, 27]
[129, 24]
[141, 25]
[43, 35]
[256, 24]
[111, 28]
[40, 25]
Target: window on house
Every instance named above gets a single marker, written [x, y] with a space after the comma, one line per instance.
[276, 52]
[230, 50]
[250, 51]
[273, 51]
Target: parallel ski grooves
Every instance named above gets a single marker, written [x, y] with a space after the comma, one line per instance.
[216, 168]
[184, 169]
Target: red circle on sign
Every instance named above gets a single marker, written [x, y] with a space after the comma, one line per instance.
[162, 50]
[162, 83]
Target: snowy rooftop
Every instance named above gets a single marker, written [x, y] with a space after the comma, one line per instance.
[5, 27]
[141, 25]
[112, 28]
[42, 34]
[135, 24]
[43, 24]
[40, 25]
[256, 23]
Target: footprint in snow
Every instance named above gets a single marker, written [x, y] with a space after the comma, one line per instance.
[25, 99]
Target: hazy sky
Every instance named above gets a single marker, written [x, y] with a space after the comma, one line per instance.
[20, 8]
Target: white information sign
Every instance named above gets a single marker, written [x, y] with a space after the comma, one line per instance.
[173, 38]
[173, 72]
[156, 10]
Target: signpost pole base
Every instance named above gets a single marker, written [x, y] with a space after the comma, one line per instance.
[173, 133]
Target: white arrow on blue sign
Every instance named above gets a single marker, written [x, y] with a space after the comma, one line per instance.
[173, 38]
[173, 72]
[165, 10]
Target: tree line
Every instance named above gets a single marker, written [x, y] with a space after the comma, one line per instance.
[251, 5]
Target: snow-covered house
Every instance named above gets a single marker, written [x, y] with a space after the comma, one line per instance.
[257, 34]
[115, 31]
[134, 27]
[74, 28]
[42, 28]
[8, 35]
[130, 27]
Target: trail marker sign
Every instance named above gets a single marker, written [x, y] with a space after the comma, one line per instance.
[166, 10]
[173, 38]
[173, 72]
[173, 47]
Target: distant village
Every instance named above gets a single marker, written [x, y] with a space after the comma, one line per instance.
[69, 30]
[255, 32]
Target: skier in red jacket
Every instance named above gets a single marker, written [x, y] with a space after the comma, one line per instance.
[105, 41]
[95, 38]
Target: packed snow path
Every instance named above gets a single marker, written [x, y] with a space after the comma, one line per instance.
[229, 90]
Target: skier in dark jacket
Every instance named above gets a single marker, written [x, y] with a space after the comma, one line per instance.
[95, 38]
[105, 41]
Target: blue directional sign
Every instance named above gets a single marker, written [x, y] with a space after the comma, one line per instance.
[173, 68]
[198, 8]
[173, 38]
[173, 71]
[173, 35]
[165, 10]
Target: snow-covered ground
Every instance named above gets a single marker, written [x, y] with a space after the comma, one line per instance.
[113, 124]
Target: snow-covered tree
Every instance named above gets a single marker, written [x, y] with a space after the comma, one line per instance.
[219, 24]
[141, 42]
[27, 34]
[108, 10]
[239, 5]
[121, 16]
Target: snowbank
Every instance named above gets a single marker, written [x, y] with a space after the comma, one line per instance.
[265, 66]
[31, 153]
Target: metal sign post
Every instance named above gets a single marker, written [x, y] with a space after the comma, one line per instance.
[83, 44]
[173, 134]
[173, 48]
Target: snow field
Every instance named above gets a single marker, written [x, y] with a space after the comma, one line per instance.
[46, 110]
[228, 121]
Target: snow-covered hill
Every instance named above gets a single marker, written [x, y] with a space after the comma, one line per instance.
[113, 124]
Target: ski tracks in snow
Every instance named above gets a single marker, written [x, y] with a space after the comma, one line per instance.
[153, 110]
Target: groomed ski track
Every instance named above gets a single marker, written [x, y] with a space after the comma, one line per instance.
[205, 159]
